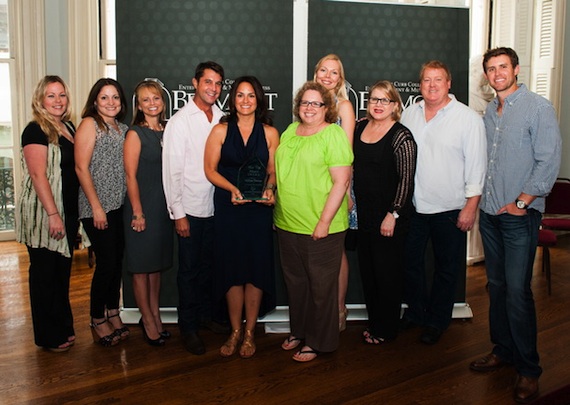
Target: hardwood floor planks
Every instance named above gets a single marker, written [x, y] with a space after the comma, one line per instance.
[402, 372]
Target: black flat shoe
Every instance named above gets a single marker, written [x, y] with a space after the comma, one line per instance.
[153, 342]
[430, 335]
[165, 334]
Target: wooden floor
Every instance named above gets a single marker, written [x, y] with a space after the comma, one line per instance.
[402, 372]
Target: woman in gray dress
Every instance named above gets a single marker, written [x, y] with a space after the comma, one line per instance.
[148, 229]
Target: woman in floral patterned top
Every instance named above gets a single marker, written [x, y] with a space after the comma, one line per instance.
[99, 166]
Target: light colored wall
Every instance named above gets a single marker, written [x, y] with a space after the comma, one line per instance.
[57, 49]
[564, 112]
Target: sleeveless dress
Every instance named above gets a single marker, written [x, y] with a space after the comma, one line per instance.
[151, 250]
[244, 234]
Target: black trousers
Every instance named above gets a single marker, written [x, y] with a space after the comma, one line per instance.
[108, 245]
[48, 280]
[381, 263]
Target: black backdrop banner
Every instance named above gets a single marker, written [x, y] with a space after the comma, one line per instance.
[165, 40]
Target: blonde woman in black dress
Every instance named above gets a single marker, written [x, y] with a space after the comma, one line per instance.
[149, 232]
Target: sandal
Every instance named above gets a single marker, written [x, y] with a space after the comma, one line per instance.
[229, 348]
[290, 343]
[342, 315]
[312, 355]
[247, 348]
[61, 348]
[105, 341]
[122, 332]
[373, 340]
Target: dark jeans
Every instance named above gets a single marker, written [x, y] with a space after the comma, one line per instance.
[433, 308]
[381, 263]
[108, 245]
[195, 289]
[509, 242]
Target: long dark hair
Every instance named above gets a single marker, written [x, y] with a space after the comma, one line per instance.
[261, 112]
[90, 110]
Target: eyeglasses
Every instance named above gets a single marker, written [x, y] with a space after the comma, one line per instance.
[314, 104]
[383, 101]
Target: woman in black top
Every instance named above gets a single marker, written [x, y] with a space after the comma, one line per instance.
[384, 169]
[47, 212]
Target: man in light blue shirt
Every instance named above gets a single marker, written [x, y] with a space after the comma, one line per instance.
[524, 152]
[448, 185]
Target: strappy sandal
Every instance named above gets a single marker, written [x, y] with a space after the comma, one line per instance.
[229, 348]
[247, 348]
[312, 352]
[290, 343]
[61, 348]
[105, 341]
[342, 316]
[373, 340]
[123, 332]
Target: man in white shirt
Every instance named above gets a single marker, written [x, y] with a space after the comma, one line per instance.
[189, 196]
[448, 185]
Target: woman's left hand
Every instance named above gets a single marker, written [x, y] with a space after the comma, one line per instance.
[56, 227]
[138, 224]
[269, 197]
[321, 231]
[388, 225]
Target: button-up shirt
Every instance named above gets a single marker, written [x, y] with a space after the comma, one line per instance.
[451, 156]
[523, 150]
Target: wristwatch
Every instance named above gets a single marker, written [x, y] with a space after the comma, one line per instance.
[521, 205]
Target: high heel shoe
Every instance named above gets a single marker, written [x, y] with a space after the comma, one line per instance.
[123, 331]
[165, 334]
[229, 348]
[342, 315]
[105, 341]
[248, 347]
[153, 342]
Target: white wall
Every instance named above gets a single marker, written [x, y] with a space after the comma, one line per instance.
[564, 112]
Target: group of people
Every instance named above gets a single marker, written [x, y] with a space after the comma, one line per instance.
[402, 178]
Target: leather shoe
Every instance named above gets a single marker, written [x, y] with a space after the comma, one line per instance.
[526, 389]
[193, 343]
[487, 363]
[216, 327]
[431, 335]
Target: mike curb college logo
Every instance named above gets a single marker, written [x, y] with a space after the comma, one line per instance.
[176, 99]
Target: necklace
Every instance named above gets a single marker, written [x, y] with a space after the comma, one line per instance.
[156, 131]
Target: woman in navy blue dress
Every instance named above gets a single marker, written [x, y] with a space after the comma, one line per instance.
[244, 270]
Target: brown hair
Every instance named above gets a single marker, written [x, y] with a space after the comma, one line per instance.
[138, 116]
[435, 64]
[331, 114]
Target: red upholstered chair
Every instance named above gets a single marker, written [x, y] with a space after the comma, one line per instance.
[546, 239]
[558, 206]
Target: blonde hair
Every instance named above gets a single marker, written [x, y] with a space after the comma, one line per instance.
[340, 90]
[45, 120]
[393, 94]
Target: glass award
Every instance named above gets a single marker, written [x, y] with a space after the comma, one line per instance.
[252, 179]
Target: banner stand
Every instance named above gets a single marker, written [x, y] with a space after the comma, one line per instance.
[277, 321]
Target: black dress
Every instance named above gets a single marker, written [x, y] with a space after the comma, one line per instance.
[152, 250]
[244, 234]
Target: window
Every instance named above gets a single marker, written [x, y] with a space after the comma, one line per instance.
[7, 202]
[108, 43]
